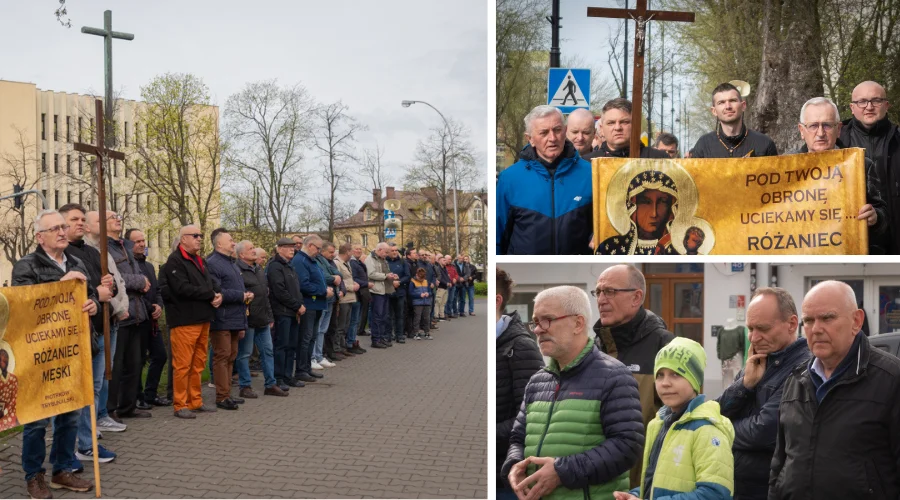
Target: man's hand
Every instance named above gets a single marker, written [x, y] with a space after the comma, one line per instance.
[108, 281]
[248, 296]
[756, 367]
[329, 292]
[396, 284]
[516, 475]
[539, 484]
[157, 311]
[104, 293]
[624, 495]
[355, 287]
[123, 316]
[867, 213]
[146, 285]
[371, 285]
[241, 334]
[73, 275]
[340, 295]
[337, 279]
[90, 307]
[217, 300]
[302, 310]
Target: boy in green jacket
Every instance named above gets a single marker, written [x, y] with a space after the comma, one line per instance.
[687, 454]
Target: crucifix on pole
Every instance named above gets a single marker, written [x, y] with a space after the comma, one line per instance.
[108, 34]
[641, 16]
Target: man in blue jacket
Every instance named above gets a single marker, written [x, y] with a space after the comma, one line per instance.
[398, 299]
[230, 324]
[360, 308]
[544, 200]
[315, 297]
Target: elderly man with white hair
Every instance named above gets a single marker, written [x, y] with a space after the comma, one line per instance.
[544, 200]
[820, 126]
[839, 418]
[379, 273]
[583, 410]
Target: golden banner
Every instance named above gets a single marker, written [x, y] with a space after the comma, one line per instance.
[45, 352]
[776, 205]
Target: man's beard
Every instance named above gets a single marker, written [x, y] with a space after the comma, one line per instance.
[735, 121]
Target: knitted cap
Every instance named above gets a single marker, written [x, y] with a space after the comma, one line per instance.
[686, 358]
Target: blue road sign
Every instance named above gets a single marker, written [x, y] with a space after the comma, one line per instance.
[569, 89]
[388, 214]
[390, 233]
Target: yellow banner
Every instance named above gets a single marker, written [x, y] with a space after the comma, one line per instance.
[776, 205]
[45, 352]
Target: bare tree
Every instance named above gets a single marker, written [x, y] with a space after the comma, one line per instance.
[19, 168]
[268, 129]
[335, 138]
[62, 14]
[309, 219]
[374, 175]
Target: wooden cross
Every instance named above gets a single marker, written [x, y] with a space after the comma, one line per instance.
[641, 16]
[99, 151]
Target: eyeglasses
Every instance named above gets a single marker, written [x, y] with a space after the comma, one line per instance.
[814, 127]
[56, 229]
[195, 235]
[545, 323]
[115, 217]
[611, 292]
[864, 103]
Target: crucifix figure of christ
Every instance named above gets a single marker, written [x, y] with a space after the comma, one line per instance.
[100, 151]
[641, 16]
[108, 34]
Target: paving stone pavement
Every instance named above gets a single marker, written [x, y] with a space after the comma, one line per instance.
[404, 422]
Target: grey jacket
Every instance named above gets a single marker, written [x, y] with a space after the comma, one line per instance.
[119, 302]
[378, 269]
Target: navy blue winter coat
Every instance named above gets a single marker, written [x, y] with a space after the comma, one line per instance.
[416, 294]
[232, 314]
[543, 214]
[312, 282]
[360, 273]
[401, 269]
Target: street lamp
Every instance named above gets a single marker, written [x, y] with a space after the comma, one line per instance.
[407, 104]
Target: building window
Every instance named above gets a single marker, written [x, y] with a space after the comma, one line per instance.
[43, 126]
[80, 129]
[80, 165]
[68, 164]
[137, 203]
[368, 214]
[56, 198]
[365, 240]
[159, 237]
[115, 200]
[429, 213]
[55, 163]
[348, 239]
[126, 133]
[43, 162]
[115, 168]
[44, 193]
[68, 129]
[127, 201]
[55, 127]
[478, 214]
[81, 197]
[126, 168]
[68, 197]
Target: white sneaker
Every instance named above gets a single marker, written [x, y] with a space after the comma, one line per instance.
[327, 363]
[211, 385]
[316, 366]
[108, 424]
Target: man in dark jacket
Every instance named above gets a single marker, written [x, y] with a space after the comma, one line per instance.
[616, 127]
[230, 324]
[287, 308]
[191, 299]
[152, 345]
[518, 358]
[732, 138]
[126, 367]
[315, 297]
[839, 419]
[358, 315]
[47, 264]
[751, 402]
[544, 200]
[870, 128]
[397, 300]
[259, 319]
[323, 353]
[820, 127]
[412, 263]
[582, 388]
[633, 335]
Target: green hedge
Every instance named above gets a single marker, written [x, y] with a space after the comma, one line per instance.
[481, 288]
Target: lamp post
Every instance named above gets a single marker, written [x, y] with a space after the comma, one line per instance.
[407, 104]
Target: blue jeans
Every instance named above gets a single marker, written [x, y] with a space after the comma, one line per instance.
[262, 337]
[450, 306]
[286, 333]
[104, 389]
[471, 290]
[324, 321]
[309, 327]
[62, 452]
[461, 300]
[354, 324]
[379, 320]
[98, 362]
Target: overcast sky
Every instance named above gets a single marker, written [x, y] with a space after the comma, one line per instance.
[370, 54]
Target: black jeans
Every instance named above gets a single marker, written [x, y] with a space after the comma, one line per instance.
[309, 328]
[152, 348]
[364, 297]
[396, 306]
[287, 331]
[123, 387]
[328, 342]
[410, 317]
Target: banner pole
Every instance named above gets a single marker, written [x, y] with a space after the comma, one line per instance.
[94, 446]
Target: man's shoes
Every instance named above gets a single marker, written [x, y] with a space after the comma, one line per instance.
[337, 357]
[315, 365]
[185, 413]
[471, 314]
[417, 337]
[227, 404]
[299, 381]
[275, 391]
[364, 333]
[347, 353]
[161, 401]
[116, 418]
[327, 363]
[135, 414]
[401, 340]
[237, 400]
[378, 345]
[211, 385]
[356, 345]
[428, 337]
[387, 343]
[205, 408]
[143, 406]
[248, 392]
[37, 487]
[357, 350]
[316, 375]
[67, 481]
[284, 387]
[77, 466]
[103, 455]
[109, 425]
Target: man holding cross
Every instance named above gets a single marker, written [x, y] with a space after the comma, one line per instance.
[616, 126]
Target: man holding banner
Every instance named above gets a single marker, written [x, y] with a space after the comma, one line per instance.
[50, 264]
[732, 138]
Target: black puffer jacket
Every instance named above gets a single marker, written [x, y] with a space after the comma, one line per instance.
[153, 296]
[847, 445]
[604, 152]
[255, 282]
[284, 287]
[518, 358]
[882, 145]
[754, 414]
[187, 290]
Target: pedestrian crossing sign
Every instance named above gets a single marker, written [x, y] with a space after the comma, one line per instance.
[569, 89]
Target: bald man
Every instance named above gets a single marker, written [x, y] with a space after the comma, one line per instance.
[580, 130]
[191, 298]
[839, 418]
[871, 129]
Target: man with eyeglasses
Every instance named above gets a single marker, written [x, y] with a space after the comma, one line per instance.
[579, 429]
[870, 128]
[633, 335]
[820, 127]
[315, 297]
[731, 138]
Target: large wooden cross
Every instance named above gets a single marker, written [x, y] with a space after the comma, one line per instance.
[100, 151]
[641, 16]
